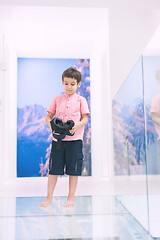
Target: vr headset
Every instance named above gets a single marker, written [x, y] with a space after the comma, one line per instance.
[61, 129]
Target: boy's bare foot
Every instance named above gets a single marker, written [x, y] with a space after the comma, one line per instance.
[46, 203]
[70, 203]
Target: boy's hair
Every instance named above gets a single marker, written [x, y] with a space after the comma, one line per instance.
[72, 73]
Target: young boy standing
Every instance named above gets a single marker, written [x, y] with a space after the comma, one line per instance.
[69, 156]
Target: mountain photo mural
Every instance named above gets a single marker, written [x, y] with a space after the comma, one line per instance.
[39, 81]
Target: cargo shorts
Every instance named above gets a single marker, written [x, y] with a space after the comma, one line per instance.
[66, 159]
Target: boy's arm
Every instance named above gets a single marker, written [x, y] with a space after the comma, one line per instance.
[48, 119]
[156, 117]
[79, 124]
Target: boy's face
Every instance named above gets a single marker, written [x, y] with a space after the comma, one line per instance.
[70, 85]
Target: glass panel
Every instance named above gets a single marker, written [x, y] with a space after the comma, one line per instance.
[129, 146]
[151, 69]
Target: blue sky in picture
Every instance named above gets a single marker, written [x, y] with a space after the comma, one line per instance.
[40, 80]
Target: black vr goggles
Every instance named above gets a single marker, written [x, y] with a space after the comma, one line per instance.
[60, 128]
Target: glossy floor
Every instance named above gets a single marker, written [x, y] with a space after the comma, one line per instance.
[140, 207]
[94, 217]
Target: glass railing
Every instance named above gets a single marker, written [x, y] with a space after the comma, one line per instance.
[136, 135]
[130, 138]
[151, 79]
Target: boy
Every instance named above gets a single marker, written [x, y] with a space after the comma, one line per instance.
[68, 106]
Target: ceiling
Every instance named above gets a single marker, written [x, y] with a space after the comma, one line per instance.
[141, 4]
[46, 28]
[56, 32]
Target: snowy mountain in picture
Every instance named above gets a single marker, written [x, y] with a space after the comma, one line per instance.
[31, 123]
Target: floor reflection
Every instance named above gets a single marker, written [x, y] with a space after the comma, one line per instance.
[94, 217]
[138, 207]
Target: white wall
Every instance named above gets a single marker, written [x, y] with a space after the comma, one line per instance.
[8, 111]
[153, 47]
[1, 93]
[130, 32]
[100, 103]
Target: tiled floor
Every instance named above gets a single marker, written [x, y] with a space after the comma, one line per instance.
[94, 217]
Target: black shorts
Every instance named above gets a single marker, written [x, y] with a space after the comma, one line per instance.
[68, 158]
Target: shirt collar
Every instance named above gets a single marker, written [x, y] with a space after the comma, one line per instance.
[70, 96]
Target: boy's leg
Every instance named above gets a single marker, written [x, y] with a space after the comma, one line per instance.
[73, 180]
[52, 180]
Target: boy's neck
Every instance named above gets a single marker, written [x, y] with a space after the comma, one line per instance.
[69, 95]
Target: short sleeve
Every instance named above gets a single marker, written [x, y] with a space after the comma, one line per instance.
[52, 107]
[155, 106]
[84, 106]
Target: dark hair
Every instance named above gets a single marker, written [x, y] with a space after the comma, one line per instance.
[72, 73]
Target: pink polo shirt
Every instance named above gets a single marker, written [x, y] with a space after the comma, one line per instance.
[69, 108]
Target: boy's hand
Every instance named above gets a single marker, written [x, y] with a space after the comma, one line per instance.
[74, 128]
[82, 123]
[51, 128]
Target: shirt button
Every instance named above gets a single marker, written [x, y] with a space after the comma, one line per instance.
[66, 107]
